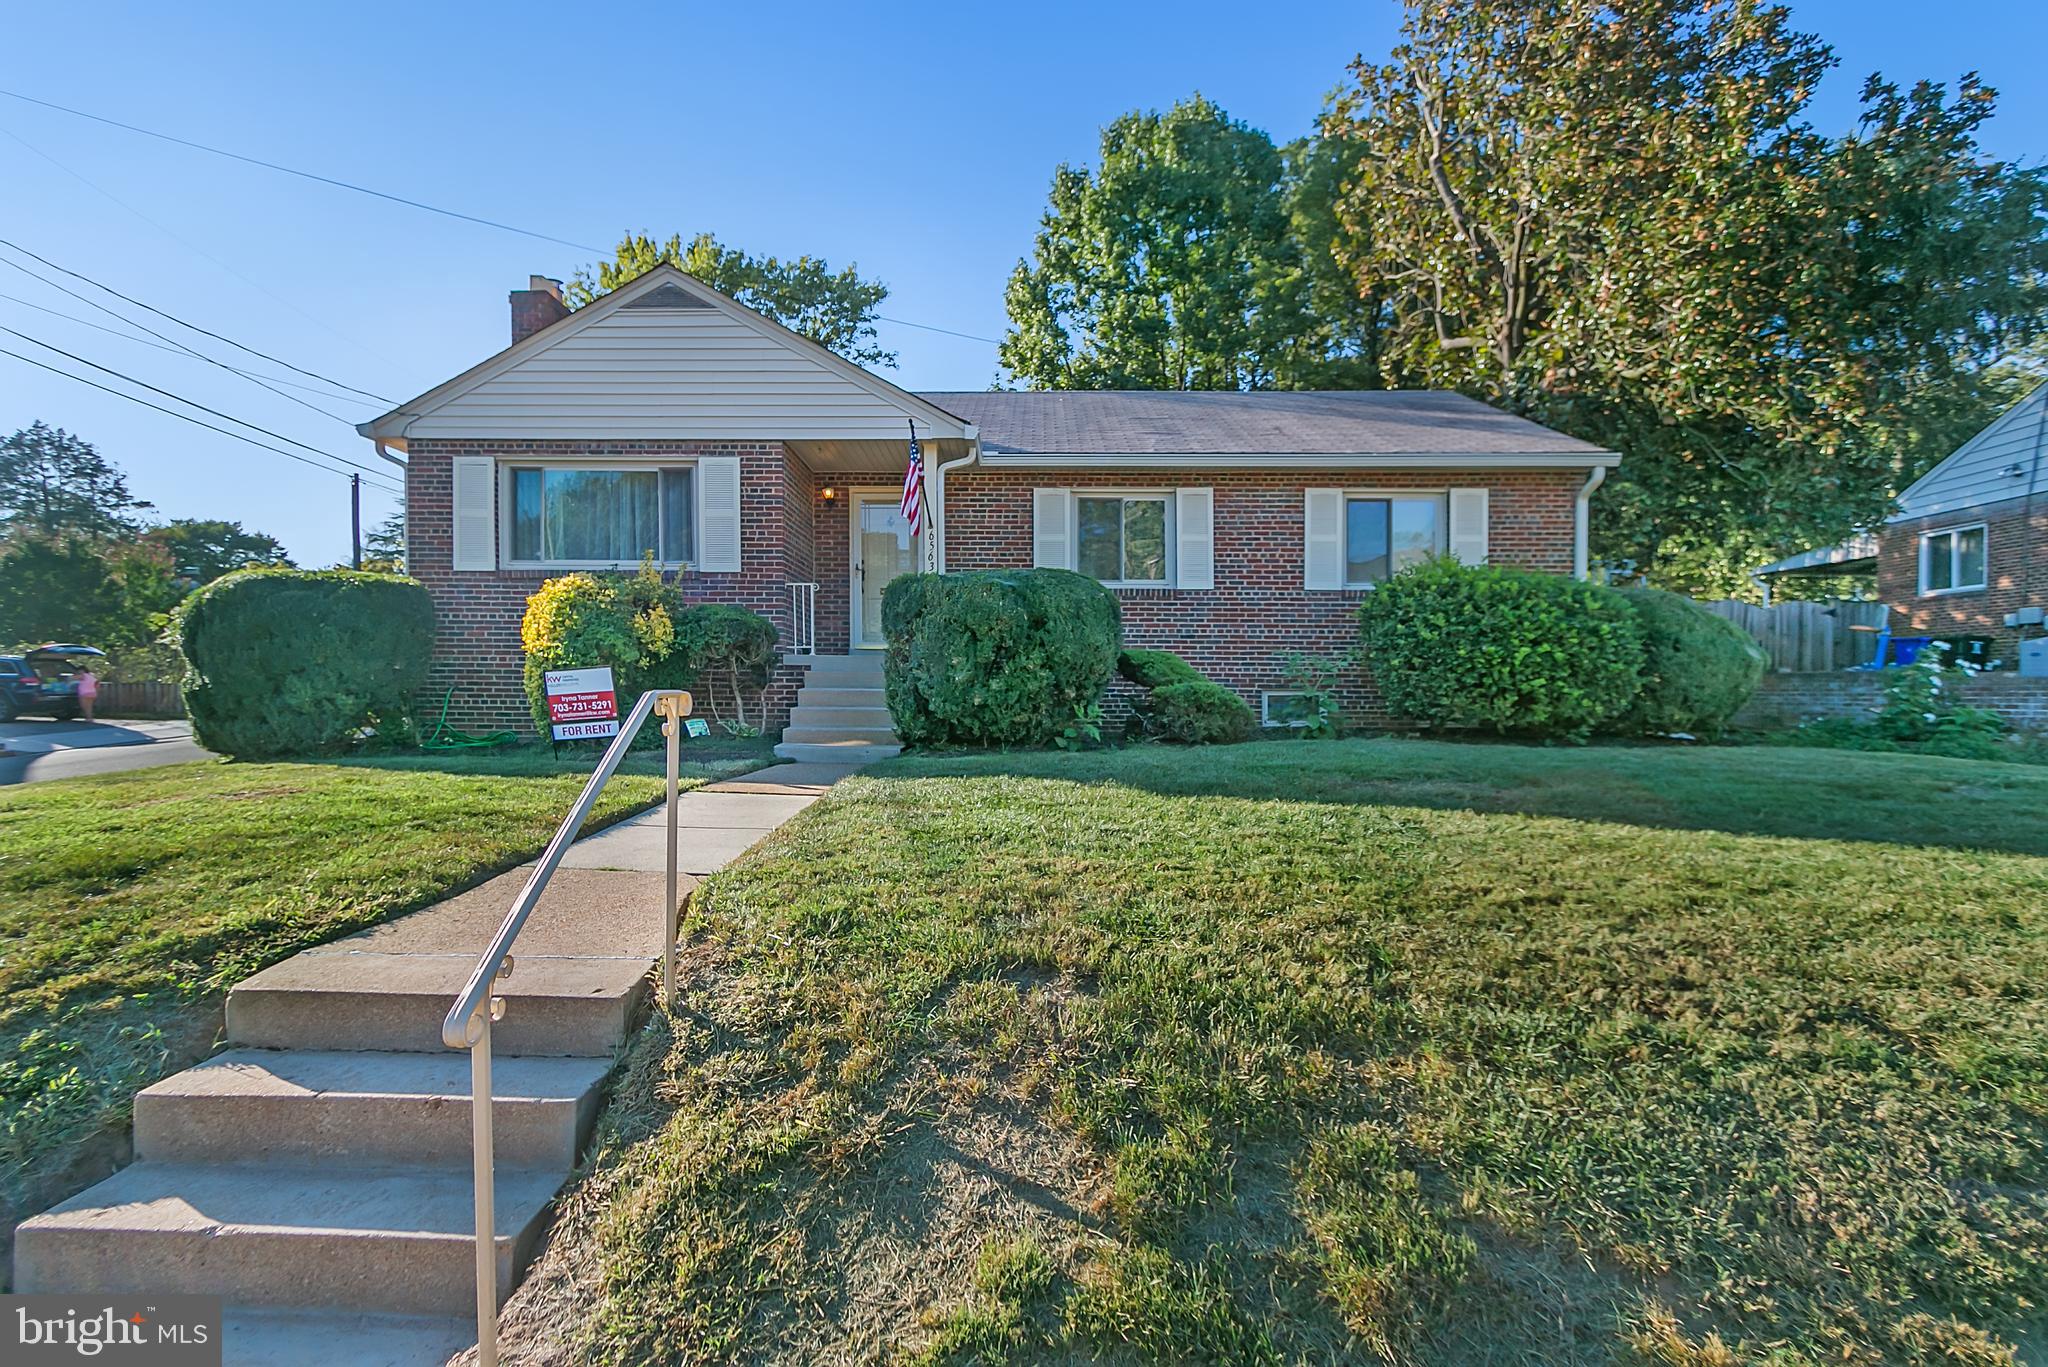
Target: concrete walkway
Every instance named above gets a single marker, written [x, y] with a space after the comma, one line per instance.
[315, 1175]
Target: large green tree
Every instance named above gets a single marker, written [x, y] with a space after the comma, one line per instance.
[203, 550]
[52, 483]
[1614, 215]
[92, 590]
[835, 309]
[1176, 263]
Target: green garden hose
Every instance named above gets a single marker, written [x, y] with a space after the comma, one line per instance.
[461, 740]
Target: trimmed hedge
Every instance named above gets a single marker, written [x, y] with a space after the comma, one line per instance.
[1698, 669]
[996, 657]
[1155, 668]
[288, 662]
[1506, 650]
[1199, 712]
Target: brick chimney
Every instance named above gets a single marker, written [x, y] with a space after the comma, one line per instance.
[536, 306]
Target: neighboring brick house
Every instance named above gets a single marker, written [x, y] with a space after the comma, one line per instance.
[762, 470]
[1967, 550]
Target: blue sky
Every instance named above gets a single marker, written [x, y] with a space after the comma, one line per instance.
[916, 141]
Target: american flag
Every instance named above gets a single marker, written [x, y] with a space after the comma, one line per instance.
[913, 487]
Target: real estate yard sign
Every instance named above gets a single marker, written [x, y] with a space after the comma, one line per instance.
[582, 704]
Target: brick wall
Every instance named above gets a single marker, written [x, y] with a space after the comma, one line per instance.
[1786, 700]
[477, 650]
[1239, 632]
[2016, 573]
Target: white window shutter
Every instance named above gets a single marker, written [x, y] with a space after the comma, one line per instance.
[1052, 534]
[1322, 539]
[1194, 522]
[474, 495]
[718, 515]
[1467, 538]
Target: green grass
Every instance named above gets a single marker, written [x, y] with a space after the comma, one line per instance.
[130, 903]
[1348, 1051]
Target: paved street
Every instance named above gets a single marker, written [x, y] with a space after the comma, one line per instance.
[40, 748]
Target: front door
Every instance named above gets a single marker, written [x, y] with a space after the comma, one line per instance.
[882, 549]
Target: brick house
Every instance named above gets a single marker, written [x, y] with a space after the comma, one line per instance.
[1967, 550]
[765, 471]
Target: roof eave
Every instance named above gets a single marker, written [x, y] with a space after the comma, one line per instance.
[1324, 460]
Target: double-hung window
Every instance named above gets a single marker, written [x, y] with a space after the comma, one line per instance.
[585, 515]
[1952, 560]
[1385, 534]
[1123, 538]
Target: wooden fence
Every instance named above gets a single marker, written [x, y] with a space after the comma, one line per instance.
[1813, 637]
[150, 699]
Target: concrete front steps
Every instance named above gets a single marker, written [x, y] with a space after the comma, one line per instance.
[316, 1175]
[841, 715]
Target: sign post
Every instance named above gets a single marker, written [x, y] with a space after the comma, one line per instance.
[582, 704]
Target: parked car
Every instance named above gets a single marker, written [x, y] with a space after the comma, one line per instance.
[45, 680]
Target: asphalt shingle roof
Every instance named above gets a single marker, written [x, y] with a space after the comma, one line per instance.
[1266, 422]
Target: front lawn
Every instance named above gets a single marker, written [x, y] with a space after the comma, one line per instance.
[1342, 1051]
[130, 903]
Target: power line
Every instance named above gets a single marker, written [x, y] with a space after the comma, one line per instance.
[194, 327]
[171, 347]
[189, 403]
[303, 175]
[399, 199]
[197, 250]
[183, 417]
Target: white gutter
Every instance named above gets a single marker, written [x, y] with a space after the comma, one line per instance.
[1381, 460]
[378, 442]
[938, 482]
[1582, 516]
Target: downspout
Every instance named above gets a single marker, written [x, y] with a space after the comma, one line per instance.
[1582, 517]
[378, 442]
[973, 434]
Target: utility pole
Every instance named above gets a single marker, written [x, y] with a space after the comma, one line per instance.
[355, 520]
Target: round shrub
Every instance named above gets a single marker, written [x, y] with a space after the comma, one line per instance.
[1698, 669]
[996, 657]
[287, 662]
[1155, 668]
[1505, 650]
[729, 652]
[1199, 712]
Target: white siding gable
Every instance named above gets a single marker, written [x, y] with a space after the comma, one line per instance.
[1978, 471]
[665, 358]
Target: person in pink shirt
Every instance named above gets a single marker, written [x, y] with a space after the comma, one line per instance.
[88, 692]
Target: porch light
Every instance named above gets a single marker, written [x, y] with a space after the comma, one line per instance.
[828, 493]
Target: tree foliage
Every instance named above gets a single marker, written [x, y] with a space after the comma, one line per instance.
[53, 483]
[384, 547]
[1180, 263]
[835, 309]
[1616, 219]
[205, 549]
[78, 588]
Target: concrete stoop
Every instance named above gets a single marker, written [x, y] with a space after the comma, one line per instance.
[841, 715]
[316, 1174]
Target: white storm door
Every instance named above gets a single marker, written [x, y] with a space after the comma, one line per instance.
[882, 549]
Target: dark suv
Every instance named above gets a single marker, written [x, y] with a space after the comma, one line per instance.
[45, 680]
[20, 689]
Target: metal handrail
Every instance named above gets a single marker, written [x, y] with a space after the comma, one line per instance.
[468, 1023]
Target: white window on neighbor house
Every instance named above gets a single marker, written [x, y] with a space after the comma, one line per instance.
[1128, 539]
[1384, 535]
[1952, 560]
[585, 515]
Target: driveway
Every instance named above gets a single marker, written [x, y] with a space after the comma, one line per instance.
[40, 749]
